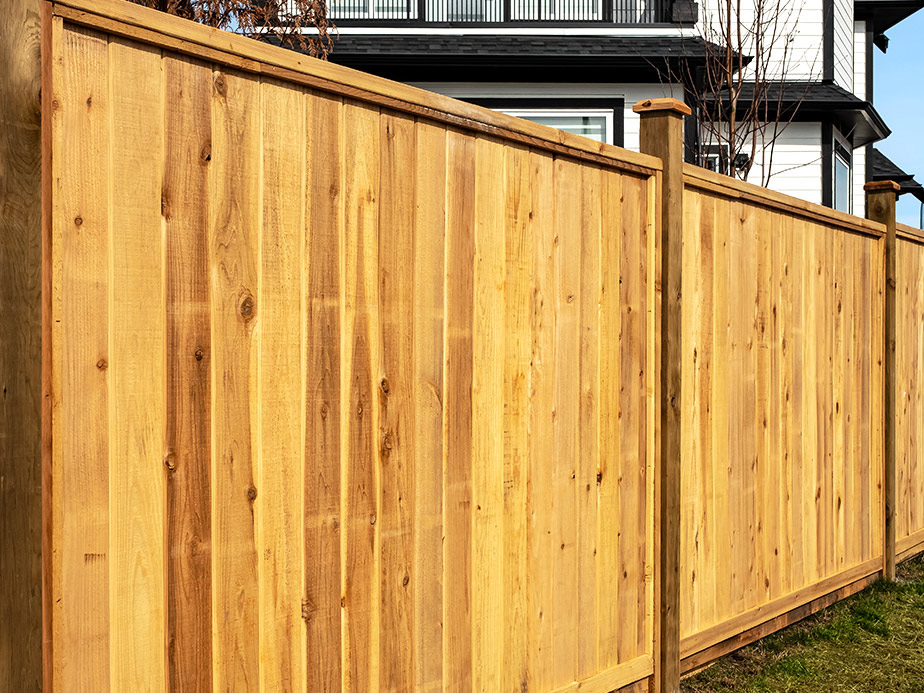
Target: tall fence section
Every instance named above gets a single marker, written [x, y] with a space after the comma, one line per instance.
[349, 386]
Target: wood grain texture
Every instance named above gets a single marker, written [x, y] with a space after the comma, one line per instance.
[234, 256]
[909, 444]
[280, 459]
[783, 462]
[260, 58]
[397, 427]
[137, 337]
[360, 416]
[187, 455]
[80, 379]
[21, 442]
[322, 486]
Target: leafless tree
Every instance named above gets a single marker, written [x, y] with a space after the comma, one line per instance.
[744, 91]
[287, 21]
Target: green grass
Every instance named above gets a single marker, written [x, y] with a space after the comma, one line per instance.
[869, 643]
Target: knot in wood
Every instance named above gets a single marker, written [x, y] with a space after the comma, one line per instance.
[199, 354]
[170, 461]
[221, 86]
[102, 365]
[386, 387]
[205, 155]
[78, 221]
[247, 307]
[251, 493]
[372, 519]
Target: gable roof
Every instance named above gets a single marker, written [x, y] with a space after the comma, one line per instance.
[885, 169]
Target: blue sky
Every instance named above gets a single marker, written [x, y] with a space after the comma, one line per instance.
[898, 94]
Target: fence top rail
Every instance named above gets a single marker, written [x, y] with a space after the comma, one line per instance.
[225, 48]
[909, 233]
[720, 184]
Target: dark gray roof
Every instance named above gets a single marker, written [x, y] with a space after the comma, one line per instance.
[496, 57]
[856, 118]
[515, 46]
[885, 169]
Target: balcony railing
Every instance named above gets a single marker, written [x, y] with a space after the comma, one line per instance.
[502, 11]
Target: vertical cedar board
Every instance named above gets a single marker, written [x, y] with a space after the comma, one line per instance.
[20, 348]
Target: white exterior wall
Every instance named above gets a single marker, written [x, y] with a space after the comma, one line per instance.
[859, 180]
[843, 44]
[859, 59]
[631, 93]
[799, 50]
[795, 164]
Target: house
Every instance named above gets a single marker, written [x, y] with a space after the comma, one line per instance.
[580, 65]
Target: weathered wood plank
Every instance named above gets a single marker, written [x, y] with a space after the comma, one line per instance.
[80, 378]
[361, 361]
[187, 132]
[324, 346]
[428, 398]
[21, 343]
[566, 418]
[234, 239]
[457, 411]
[137, 337]
[517, 352]
[281, 456]
[539, 592]
[488, 345]
[397, 237]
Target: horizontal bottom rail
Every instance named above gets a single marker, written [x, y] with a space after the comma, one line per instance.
[700, 659]
[909, 546]
[618, 676]
[771, 610]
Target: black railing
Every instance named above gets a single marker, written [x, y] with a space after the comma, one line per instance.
[502, 11]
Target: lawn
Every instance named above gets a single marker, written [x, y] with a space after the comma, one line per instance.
[871, 642]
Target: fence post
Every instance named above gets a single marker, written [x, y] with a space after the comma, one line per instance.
[881, 199]
[662, 136]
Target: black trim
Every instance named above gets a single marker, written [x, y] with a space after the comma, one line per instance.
[691, 129]
[828, 40]
[869, 62]
[827, 163]
[616, 104]
[500, 26]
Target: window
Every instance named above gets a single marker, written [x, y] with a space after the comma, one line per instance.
[597, 124]
[598, 118]
[841, 175]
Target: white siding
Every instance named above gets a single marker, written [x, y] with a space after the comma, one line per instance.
[631, 93]
[859, 59]
[843, 43]
[859, 180]
[796, 162]
[798, 50]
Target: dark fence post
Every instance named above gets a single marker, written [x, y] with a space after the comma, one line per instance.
[662, 136]
[881, 199]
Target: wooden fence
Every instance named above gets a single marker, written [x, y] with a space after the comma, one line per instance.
[783, 457]
[352, 386]
[909, 506]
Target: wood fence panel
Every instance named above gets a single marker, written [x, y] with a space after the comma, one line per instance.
[909, 511]
[347, 398]
[783, 470]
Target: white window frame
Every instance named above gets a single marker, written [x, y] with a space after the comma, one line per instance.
[606, 113]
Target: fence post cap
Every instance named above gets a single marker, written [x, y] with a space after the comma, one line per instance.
[882, 186]
[667, 104]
